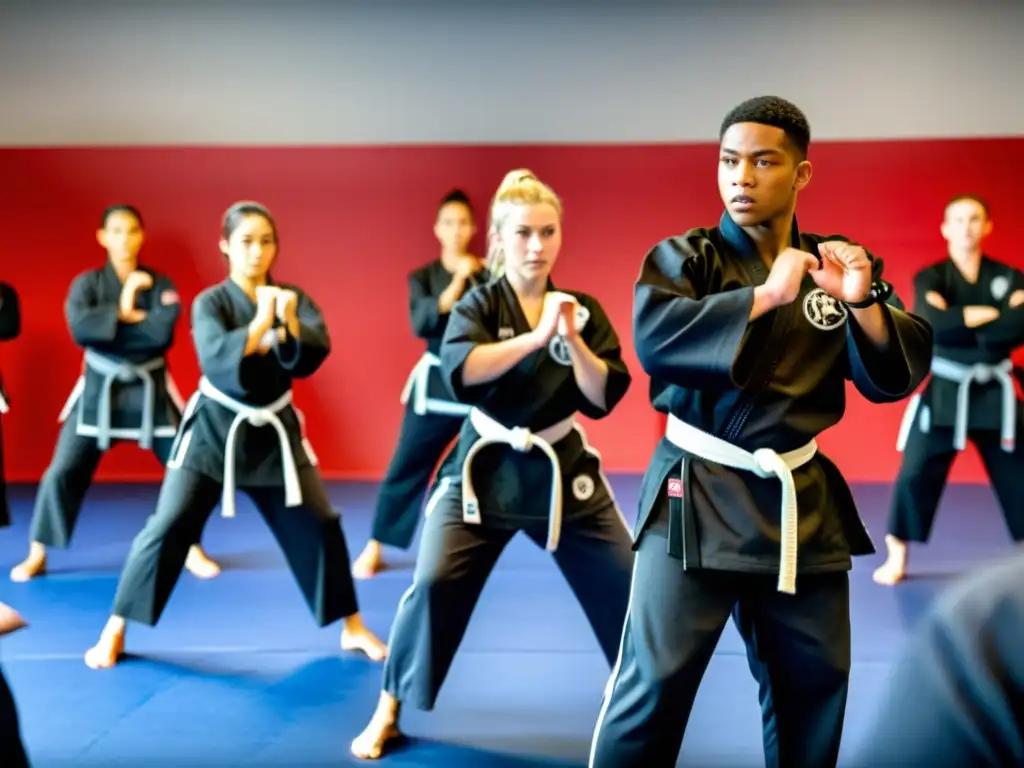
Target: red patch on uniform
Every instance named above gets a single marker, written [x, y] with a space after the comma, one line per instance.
[675, 488]
[169, 297]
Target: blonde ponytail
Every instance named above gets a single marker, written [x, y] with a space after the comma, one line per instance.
[519, 187]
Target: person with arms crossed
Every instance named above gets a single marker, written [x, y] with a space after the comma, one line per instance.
[976, 306]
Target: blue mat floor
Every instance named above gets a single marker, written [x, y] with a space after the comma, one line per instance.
[237, 674]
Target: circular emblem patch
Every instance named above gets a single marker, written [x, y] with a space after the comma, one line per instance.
[582, 487]
[999, 286]
[823, 311]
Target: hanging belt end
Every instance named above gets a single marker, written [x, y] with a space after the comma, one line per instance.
[293, 497]
[787, 581]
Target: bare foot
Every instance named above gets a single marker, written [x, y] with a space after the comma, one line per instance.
[10, 620]
[382, 728]
[356, 637]
[108, 650]
[32, 566]
[894, 569]
[200, 565]
[369, 561]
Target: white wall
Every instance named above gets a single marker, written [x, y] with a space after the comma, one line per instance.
[499, 71]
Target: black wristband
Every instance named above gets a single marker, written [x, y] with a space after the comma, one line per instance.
[879, 293]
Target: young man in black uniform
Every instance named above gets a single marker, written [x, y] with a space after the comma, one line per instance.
[749, 332]
[123, 316]
[976, 306]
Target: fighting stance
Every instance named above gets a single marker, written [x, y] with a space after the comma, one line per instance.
[749, 331]
[953, 699]
[974, 303]
[527, 358]
[432, 418]
[10, 328]
[253, 338]
[123, 316]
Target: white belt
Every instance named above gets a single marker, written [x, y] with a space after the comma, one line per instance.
[416, 385]
[112, 369]
[965, 376]
[257, 417]
[521, 439]
[763, 462]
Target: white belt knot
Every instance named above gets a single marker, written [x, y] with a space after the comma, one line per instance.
[763, 462]
[965, 376]
[769, 463]
[981, 373]
[114, 369]
[257, 417]
[522, 440]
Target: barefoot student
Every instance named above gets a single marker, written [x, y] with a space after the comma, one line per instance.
[432, 417]
[527, 357]
[253, 338]
[123, 315]
[975, 303]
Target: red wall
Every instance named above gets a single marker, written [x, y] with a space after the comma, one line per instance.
[354, 221]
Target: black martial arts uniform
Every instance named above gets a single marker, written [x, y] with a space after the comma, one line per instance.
[971, 395]
[124, 394]
[487, 490]
[432, 417]
[708, 535]
[10, 328]
[240, 430]
[12, 750]
[954, 698]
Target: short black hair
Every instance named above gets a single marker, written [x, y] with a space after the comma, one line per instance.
[776, 112]
[969, 196]
[131, 210]
[456, 196]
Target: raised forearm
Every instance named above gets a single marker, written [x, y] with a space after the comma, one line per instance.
[257, 331]
[488, 362]
[591, 372]
[450, 295]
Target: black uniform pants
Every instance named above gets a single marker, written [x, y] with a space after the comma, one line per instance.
[455, 559]
[68, 478]
[927, 459]
[421, 443]
[12, 749]
[798, 649]
[310, 536]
